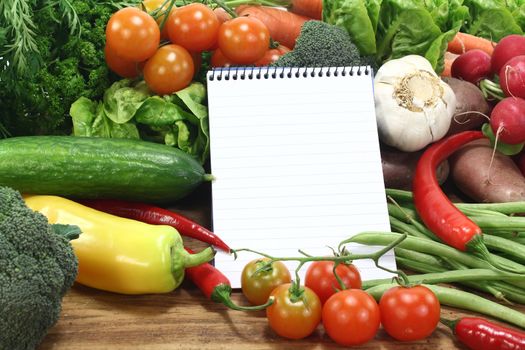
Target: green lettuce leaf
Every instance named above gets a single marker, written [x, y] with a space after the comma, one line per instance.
[353, 15]
[123, 99]
[491, 19]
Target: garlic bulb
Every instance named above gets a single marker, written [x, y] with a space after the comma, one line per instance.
[414, 107]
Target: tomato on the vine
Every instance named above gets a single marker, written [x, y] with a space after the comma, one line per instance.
[132, 34]
[194, 26]
[351, 317]
[219, 60]
[272, 55]
[321, 279]
[124, 68]
[291, 316]
[409, 313]
[258, 279]
[169, 70]
[154, 5]
[244, 40]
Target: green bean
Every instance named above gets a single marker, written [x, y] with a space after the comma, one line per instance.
[401, 213]
[512, 249]
[505, 208]
[400, 195]
[435, 248]
[492, 223]
[401, 226]
[464, 300]
[423, 258]
[451, 276]
[424, 268]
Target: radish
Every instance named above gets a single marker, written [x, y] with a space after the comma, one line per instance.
[507, 120]
[472, 66]
[507, 48]
[512, 77]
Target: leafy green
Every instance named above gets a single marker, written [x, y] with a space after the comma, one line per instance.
[354, 17]
[492, 19]
[130, 110]
[52, 52]
[394, 28]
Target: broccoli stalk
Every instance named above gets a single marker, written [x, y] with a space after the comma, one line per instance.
[323, 45]
[37, 268]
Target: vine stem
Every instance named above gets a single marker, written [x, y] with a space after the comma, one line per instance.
[344, 257]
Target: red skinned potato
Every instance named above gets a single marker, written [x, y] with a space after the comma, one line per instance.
[399, 167]
[474, 175]
[469, 98]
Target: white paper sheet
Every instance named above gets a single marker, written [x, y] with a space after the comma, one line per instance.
[296, 163]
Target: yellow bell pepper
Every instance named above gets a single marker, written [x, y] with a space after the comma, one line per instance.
[121, 255]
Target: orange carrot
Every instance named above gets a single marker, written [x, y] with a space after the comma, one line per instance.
[308, 8]
[463, 42]
[284, 26]
[449, 59]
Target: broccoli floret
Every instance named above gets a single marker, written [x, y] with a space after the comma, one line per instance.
[323, 45]
[37, 268]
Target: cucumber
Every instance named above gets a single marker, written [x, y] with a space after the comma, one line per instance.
[86, 167]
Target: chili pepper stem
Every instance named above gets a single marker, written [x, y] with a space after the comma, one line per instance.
[449, 323]
[222, 294]
[478, 247]
[201, 257]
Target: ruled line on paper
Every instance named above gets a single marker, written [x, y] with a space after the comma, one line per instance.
[296, 166]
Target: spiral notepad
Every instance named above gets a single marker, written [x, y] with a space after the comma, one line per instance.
[295, 156]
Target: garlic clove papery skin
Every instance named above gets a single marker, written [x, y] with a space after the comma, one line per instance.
[414, 107]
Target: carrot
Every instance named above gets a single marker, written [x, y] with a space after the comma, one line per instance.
[284, 26]
[463, 42]
[449, 59]
[309, 8]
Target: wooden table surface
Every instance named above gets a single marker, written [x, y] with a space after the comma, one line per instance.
[185, 319]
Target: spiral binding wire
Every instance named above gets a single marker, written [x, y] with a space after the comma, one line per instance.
[250, 73]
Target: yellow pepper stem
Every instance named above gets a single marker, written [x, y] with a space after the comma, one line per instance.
[201, 257]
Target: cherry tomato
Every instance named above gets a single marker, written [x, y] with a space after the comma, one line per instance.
[272, 55]
[351, 317]
[169, 70]
[152, 5]
[132, 34]
[321, 279]
[219, 60]
[257, 284]
[194, 26]
[123, 67]
[409, 313]
[293, 319]
[244, 40]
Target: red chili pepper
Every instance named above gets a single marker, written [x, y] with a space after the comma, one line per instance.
[216, 286]
[157, 216]
[480, 334]
[432, 204]
[436, 210]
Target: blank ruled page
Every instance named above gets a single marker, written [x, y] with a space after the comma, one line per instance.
[296, 164]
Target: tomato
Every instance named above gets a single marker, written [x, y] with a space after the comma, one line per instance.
[293, 319]
[132, 34]
[351, 317]
[244, 40]
[194, 26]
[169, 70]
[123, 67]
[219, 60]
[272, 55]
[258, 284]
[321, 279]
[152, 5]
[409, 313]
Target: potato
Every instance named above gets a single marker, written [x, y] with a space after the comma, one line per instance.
[399, 167]
[469, 99]
[472, 172]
